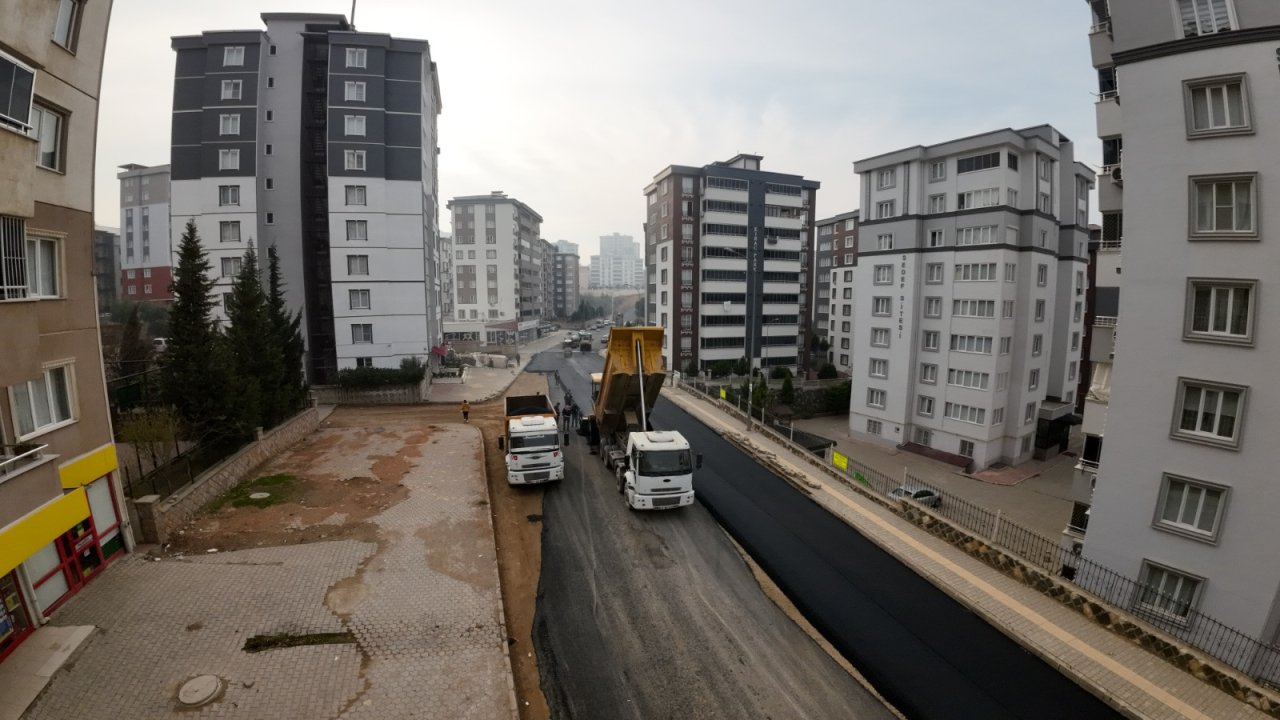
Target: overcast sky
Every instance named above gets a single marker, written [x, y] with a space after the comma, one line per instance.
[573, 105]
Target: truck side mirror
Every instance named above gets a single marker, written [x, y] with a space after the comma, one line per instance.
[502, 443]
[697, 461]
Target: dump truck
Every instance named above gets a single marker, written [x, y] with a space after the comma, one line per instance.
[531, 439]
[653, 469]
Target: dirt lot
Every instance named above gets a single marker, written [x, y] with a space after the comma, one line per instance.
[319, 506]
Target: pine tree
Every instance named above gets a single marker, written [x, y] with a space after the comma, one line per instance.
[287, 393]
[255, 356]
[134, 351]
[196, 375]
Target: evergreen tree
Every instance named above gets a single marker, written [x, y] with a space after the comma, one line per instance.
[287, 393]
[196, 375]
[255, 356]
[788, 394]
[134, 351]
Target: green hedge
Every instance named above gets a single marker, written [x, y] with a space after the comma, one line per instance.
[410, 372]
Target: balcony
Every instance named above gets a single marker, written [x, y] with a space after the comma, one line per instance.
[1110, 245]
[1104, 320]
[16, 458]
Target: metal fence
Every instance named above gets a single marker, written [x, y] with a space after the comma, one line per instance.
[1172, 614]
[177, 471]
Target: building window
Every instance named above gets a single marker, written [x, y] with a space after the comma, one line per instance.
[875, 398]
[43, 266]
[976, 272]
[997, 416]
[924, 406]
[1217, 106]
[1077, 311]
[1223, 206]
[1191, 507]
[976, 344]
[938, 203]
[1072, 368]
[1037, 345]
[354, 124]
[67, 25]
[965, 413]
[356, 195]
[353, 159]
[228, 159]
[923, 437]
[15, 103]
[357, 57]
[1042, 275]
[357, 264]
[884, 209]
[1167, 592]
[1220, 311]
[929, 373]
[231, 267]
[1033, 379]
[984, 235]
[1209, 412]
[1012, 196]
[978, 162]
[973, 308]
[229, 231]
[966, 448]
[271, 82]
[271, 116]
[1029, 414]
[937, 170]
[933, 274]
[357, 230]
[1005, 343]
[361, 333]
[879, 368]
[874, 427]
[359, 299]
[968, 379]
[978, 198]
[364, 362]
[228, 194]
[933, 307]
[353, 90]
[1006, 308]
[43, 403]
[880, 337]
[233, 55]
[882, 306]
[46, 128]
[931, 340]
[270, 184]
[935, 238]
[1204, 17]
[1040, 311]
[267, 149]
[883, 275]
[1075, 340]
[886, 179]
[271, 218]
[884, 242]
[232, 89]
[1002, 381]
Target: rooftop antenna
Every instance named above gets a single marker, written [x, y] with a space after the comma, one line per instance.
[353, 14]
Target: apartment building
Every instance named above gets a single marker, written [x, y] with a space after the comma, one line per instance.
[62, 512]
[496, 248]
[106, 266]
[728, 252]
[146, 248]
[565, 289]
[320, 141]
[969, 293]
[446, 277]
[837, 254]
[619, 264]
[1184, 498]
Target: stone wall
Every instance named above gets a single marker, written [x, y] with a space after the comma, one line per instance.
[390, 395]
[159, 519]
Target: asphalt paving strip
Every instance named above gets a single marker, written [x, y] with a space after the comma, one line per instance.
[926, 653]
[656, 615]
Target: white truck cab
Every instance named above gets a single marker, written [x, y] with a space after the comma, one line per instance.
[533, 450]
[658, 471]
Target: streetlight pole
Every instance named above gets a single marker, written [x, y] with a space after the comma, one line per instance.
[753, 260]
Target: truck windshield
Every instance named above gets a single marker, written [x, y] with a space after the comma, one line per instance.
[535, 442]
[665, 462]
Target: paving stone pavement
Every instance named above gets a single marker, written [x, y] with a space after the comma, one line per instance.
[423, 605]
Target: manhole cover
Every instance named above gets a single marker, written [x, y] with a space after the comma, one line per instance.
[259, 496]
[200, 690]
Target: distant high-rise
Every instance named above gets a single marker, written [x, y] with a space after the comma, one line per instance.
[146, 257]
[106, 266]
[728, 252]
[319, 141]
[833, 309]
[619, 263]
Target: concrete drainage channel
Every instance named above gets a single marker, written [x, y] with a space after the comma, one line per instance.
[204, 689]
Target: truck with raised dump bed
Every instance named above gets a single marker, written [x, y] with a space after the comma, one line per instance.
[654, 469]
[531, 439]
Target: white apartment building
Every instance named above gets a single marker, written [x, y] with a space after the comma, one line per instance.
[320, 141]
[969, 287]
[1185, 500]
[841, 318]
[497, 263]
[146, 253]
[729, 262]
[833, 310]
[619, 263]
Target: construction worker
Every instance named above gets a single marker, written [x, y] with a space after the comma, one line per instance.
[466, 411]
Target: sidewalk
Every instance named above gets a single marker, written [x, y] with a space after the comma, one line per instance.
[1135, 682]
[484, 384]
[1042, 502]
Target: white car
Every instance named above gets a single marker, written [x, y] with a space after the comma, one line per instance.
[925, 496]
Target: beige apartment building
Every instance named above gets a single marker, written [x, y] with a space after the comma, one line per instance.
[61, 510]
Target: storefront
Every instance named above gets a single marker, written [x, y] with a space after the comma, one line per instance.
[59, 569]
[15, 618]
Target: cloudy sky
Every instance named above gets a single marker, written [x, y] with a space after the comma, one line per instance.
[573, 105]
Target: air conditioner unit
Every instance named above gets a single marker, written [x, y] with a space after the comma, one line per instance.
[1117, 175]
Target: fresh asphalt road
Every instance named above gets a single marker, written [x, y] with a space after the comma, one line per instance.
[924, 652]
[655, 615]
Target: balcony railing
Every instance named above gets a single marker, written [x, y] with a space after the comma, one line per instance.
[1104, 320]
[15, 457]
[1102, 26]
[1087, 464]
[1110, 245]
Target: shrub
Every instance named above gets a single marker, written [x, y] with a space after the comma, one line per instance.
[778, 373]
[787, 395]
[720, 369]
[836, 398]
[410, 372]
[828, 372]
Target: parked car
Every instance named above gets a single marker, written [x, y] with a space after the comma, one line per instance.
[925, 496]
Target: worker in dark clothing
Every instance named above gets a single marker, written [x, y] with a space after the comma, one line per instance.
[567, 415]
[575, 414]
